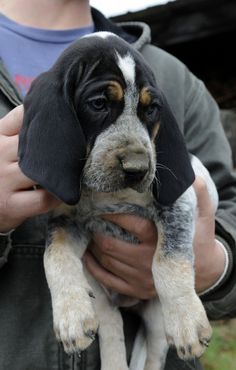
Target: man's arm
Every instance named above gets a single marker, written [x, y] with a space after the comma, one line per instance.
[206, 139]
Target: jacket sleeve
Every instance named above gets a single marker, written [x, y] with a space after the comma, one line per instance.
[199, 119]
[206, 139]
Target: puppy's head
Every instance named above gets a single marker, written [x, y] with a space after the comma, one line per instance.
[98, 118]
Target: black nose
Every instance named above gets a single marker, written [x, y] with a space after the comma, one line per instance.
[135, 166]
[134, 176]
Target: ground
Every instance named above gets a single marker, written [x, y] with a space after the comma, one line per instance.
[221, 354]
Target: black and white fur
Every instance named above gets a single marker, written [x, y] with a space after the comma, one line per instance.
[118, 176]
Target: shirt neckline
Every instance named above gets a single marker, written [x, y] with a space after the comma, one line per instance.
[47, 35]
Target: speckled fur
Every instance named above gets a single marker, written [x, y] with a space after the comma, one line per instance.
[172, 270]
[178, 316]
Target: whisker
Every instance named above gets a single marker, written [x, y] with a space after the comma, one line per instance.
[83, 159]
[157, 180]
[162, 166]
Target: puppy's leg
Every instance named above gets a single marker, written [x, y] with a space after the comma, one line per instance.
[111, 334]
[186, 323]
[157, 345]
[74, 319]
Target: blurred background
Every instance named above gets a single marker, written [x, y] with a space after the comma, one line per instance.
[123, 7]
[201, 33]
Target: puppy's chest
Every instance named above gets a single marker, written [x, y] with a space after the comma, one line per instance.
[94, 204]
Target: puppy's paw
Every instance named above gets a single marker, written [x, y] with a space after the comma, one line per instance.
[187, 327]
[111, 365]
[75, 324]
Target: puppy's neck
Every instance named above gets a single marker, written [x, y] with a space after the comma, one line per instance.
[127, 195]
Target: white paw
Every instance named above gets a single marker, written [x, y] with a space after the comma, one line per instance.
[187, 327]
[75, 324]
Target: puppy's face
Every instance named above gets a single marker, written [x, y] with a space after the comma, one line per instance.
[118, 106]
[93, 118]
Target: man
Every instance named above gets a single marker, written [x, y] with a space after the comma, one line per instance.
[30, 29]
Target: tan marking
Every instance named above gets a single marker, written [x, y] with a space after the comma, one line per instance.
[155, 130]
[145, 96]
[64, 209]
[60, 237]
[178, 269]
[115, 91]
[88, 150]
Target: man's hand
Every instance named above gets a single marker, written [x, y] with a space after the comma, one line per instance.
[123, 267]
[126, 268]
[18, 200]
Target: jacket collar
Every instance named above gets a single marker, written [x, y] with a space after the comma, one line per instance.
[136, 33]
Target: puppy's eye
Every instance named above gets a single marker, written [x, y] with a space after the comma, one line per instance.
[152, 111]
[98, 104]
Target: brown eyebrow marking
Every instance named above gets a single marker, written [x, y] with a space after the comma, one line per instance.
[145, 97]
[115, 91]
[155, 130]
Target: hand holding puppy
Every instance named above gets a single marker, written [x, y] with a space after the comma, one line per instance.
[126, 268]
[18, 200]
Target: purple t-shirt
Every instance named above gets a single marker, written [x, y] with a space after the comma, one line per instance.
[26, 51]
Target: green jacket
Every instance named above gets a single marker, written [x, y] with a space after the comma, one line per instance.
[27, 341]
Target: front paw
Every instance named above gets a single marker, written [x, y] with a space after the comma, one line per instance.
[187, 327]
[75, 324]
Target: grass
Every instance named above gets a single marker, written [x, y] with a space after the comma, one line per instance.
[221, 354]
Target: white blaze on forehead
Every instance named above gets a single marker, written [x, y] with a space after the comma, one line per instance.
[127, 67]
[102, 34]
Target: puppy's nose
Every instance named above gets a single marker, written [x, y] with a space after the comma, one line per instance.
[135, 166]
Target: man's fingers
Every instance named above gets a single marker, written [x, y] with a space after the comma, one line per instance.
[32, 202]
[110, 263]
[21, 181]
[117, 283]
[137, 226]
[205, 205]
[9, 148]
[128, 272]
[124, 252]
[106, 278]
[10, 124]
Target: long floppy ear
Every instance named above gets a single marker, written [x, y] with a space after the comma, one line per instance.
[174, 171]
[52, 146]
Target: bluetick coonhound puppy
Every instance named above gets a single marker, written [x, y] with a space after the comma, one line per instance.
[99, 134]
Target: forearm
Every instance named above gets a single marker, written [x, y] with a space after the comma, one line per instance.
[211, 271]
[206, 139]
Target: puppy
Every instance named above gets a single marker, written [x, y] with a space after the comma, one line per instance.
[99, 134]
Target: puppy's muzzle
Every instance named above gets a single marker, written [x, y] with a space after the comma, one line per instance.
[135, 166]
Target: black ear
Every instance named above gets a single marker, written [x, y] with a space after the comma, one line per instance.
[52, 146]
[174, 171]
